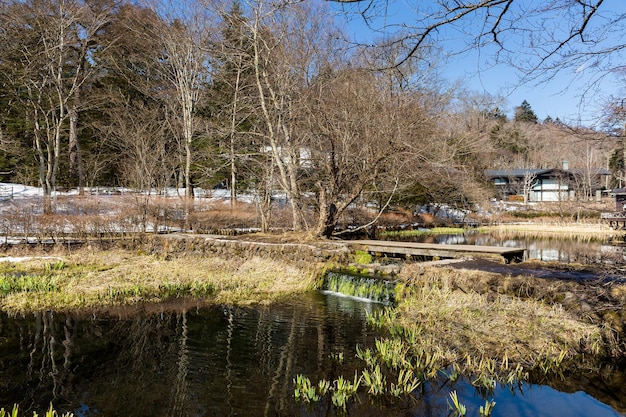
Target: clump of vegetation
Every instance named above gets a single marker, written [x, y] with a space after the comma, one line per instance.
[115, 277]
[572, 232]
[15, 412]
[371, 288]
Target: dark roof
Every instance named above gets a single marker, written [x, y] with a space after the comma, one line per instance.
[520, 173]
[495, 173]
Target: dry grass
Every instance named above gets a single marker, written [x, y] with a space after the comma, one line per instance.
[462, 314]
[118, 277]
[571, 231]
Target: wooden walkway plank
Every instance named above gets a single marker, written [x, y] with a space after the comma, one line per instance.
[439, 250]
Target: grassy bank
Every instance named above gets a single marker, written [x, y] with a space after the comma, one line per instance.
[580, 232]
[490, 328]
[84, 280]
[471, 313]
[458, 312]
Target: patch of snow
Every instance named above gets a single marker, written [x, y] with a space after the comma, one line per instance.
[26, 258]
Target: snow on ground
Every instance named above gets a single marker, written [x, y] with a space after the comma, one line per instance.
[26, 258]
[19, 190]
[12, 190]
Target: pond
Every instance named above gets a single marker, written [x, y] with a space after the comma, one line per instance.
[549, 250]
[187, 360]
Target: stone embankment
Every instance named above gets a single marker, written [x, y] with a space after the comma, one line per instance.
[202, 245]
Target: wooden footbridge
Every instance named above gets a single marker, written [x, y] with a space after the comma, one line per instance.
[434, 250]
[617, 220]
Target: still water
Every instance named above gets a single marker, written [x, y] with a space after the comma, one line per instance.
[235, 361]
[549, 250]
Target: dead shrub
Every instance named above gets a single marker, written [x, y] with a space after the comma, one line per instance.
[223, 215]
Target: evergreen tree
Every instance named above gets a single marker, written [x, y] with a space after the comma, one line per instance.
[232, 92]
[616, 166]
[524, 113]
[496, 114]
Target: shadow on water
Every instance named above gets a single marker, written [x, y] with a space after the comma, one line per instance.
[227, 361]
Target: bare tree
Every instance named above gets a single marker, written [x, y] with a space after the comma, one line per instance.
[51, 41]
[589, 33]
[181, 30]
[278, 36]
[362, 139]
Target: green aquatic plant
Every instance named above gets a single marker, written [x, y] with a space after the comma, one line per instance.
[15, 283]
[375, 381]
[392, 353]
[487, 409]
[337, 357]
[366, 356]
[457, 408]
[304, 391]
[343, 391]
[407, 383]
[322, 387]
[51, 412]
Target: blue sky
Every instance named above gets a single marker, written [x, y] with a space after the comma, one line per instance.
[561, 97]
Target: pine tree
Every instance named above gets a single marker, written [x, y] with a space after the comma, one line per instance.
[524, 113]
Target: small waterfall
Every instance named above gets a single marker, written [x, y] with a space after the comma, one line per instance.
[363, 287]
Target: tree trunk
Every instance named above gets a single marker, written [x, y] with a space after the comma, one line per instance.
[76, 169]
[327, 220]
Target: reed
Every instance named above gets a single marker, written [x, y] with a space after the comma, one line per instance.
[487, 409]
[458, 409]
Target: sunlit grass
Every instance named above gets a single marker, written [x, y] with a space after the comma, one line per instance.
[424, 232]
[474, 313]
[596, 232]
[118, 277]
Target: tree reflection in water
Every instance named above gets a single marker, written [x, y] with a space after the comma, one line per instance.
[175, 362]
[184, 360]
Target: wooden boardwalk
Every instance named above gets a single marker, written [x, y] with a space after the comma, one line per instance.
[615, 219]
[438, 250]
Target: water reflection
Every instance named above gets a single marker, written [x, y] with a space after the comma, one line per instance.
[549, 250]
[217, 361]
[227, 361]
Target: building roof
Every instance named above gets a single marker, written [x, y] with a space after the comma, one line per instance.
[494, 173]
[520, 173]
